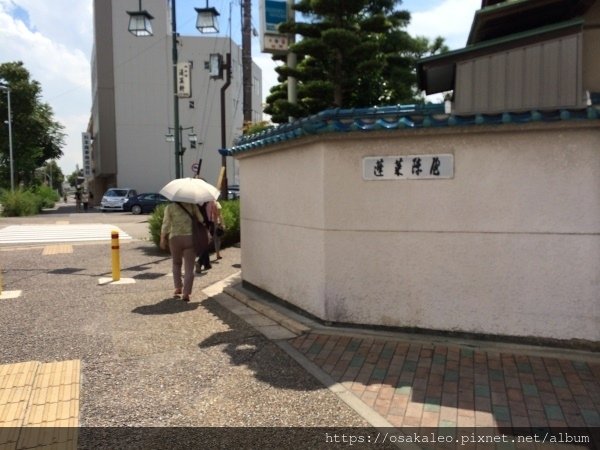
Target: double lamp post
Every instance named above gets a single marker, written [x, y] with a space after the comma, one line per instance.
[140, 24]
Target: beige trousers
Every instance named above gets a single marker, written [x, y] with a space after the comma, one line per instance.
[182, 253]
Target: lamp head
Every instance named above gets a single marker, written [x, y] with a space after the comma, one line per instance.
[206, 22]
[140, 23]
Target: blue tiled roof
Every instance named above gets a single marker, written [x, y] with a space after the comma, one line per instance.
[394, 118]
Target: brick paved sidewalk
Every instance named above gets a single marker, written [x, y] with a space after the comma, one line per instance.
[433, 385]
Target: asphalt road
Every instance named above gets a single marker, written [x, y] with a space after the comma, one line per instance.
[148, 360]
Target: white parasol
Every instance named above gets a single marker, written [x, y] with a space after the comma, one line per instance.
[190, 190]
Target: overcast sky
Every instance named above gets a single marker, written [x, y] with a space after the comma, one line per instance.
[53, 38]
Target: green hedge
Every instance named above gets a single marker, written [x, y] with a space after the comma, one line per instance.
[48, 196]
[19, 203]
[231, 216]
[27, 202]
[155, 222]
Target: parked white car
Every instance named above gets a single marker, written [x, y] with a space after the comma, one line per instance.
[114, 198]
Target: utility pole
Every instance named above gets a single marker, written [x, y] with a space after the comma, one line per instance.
[223, 126]
[291, 61]
[247, 59]
[174, 56]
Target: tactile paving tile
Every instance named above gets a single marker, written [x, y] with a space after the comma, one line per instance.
[16, 384]
[57, 249]
[39, 405]
[55, 395]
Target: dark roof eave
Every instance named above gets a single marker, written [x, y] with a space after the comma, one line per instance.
[496, 10]
[496, 19]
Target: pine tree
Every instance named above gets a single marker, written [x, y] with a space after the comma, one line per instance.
[352, 53]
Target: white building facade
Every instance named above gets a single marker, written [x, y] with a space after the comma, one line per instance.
[132, 112]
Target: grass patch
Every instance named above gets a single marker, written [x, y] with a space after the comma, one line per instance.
[22, 202]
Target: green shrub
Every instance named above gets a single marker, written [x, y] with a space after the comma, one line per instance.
[230, 210]
[19, 203]
[47, 196]
[155, 223]
[231, 216]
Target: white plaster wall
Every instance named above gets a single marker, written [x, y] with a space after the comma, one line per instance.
[509, 246]
[508, 180]
[282, 218]
[491, 283]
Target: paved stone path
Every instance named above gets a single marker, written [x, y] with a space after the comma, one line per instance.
[435, 385]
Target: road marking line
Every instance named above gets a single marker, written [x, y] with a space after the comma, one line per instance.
[25, 234]
[9, 295]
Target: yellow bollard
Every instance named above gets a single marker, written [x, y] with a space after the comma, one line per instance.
[116, 259]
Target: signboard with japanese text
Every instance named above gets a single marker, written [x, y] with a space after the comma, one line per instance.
[273, 13]
[275, 43]
[184, 84]
[86, 146]
[408, 167]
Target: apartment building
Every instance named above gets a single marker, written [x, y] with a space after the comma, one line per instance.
[133, 111]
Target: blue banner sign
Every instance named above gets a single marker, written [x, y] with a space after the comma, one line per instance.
[275, 13]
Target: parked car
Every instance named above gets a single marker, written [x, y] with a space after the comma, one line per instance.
[115, 198]
[233, 191]
[144, 203]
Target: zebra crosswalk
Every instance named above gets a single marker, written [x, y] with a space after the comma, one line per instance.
[36, 234]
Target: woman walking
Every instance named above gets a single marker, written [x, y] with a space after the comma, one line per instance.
[176, 231]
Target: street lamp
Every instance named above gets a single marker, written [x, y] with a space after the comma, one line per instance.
[4, 87]
[172, 136]
[140, 25]
[206, 22]
[140, 22]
